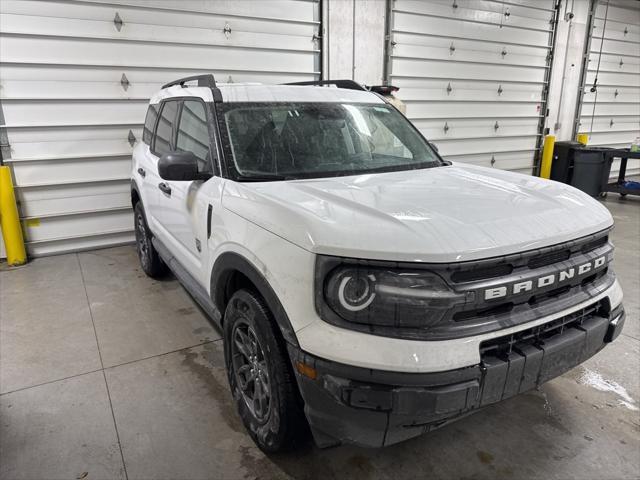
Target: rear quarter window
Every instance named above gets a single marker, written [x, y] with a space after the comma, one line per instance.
[149, 123]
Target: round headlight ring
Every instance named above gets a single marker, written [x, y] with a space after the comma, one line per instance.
[356, 292]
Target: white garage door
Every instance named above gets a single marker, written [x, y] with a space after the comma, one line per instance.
[473, 74]
[75, 78]
[611, 114]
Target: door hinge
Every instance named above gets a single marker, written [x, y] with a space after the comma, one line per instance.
[117, 21]
[124, 81]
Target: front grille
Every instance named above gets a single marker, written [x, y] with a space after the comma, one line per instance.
[482, 273]
[549, 258]
[597, 243]
[495, 268]
[483, 313]
[536, 336]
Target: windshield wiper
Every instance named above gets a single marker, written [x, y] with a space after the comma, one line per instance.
[261, 177]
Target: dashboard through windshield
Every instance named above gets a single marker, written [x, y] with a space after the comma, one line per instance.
[281, 141]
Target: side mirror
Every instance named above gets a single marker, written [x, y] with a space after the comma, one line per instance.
[180, 166]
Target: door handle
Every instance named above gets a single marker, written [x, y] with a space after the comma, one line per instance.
[141, 172]
[165, 188]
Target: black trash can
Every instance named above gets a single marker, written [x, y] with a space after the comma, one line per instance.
[590, 167]
[586, 168]
[563, 156]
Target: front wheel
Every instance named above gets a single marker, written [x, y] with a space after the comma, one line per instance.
[150, 261]
[260, 376]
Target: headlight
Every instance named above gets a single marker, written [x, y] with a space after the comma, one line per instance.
[387, 297]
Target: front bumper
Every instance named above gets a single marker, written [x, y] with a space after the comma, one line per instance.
[373, 408]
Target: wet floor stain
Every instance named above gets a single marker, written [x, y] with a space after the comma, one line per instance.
[546, 414]
[258, 465]
[200, 330]
[208, 365]
[595, 380]
[361, 464]
[169, 286]
[185, 310]
[485, 457]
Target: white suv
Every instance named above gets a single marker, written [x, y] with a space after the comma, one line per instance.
[364, 287]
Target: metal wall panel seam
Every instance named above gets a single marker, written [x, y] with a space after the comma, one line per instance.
[114, 66]
[74, 182]
[479, 22]
[154, 42]
[185, 10]
[91, 235]
[93, 156]
[406, 57]
[79, 212]
[532, 5]
[455, 37]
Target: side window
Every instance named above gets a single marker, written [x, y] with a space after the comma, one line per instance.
[149, 123]
[193, 133]
[164, 131]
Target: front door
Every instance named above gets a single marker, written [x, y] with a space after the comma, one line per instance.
[185, 213]
[163, 142]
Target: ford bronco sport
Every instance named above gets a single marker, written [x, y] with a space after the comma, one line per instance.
[365, 287]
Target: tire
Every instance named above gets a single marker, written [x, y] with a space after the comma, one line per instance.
[150, 261]
[260, 375]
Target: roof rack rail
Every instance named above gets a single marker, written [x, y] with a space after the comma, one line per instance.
[348, 84]
[204, 80]
[383, 89]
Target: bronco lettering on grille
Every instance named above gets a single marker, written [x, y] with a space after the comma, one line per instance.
[545, 281]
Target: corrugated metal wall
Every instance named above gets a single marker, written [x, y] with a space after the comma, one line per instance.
[75, 78]
[611, 114]
[474, 75]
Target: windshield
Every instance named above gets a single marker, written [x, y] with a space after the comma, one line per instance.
[302, 140]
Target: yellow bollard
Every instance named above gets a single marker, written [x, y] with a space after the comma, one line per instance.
[547, 156]
[582, 138]
[10, 221]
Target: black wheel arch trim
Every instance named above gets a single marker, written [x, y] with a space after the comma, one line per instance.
[230, 262]
[135, 189]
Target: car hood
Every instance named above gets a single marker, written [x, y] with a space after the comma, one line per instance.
[444, 214]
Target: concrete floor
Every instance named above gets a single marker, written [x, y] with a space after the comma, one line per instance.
[105, 373]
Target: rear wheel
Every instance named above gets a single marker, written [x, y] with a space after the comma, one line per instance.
[260, 375]
[150, 261]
